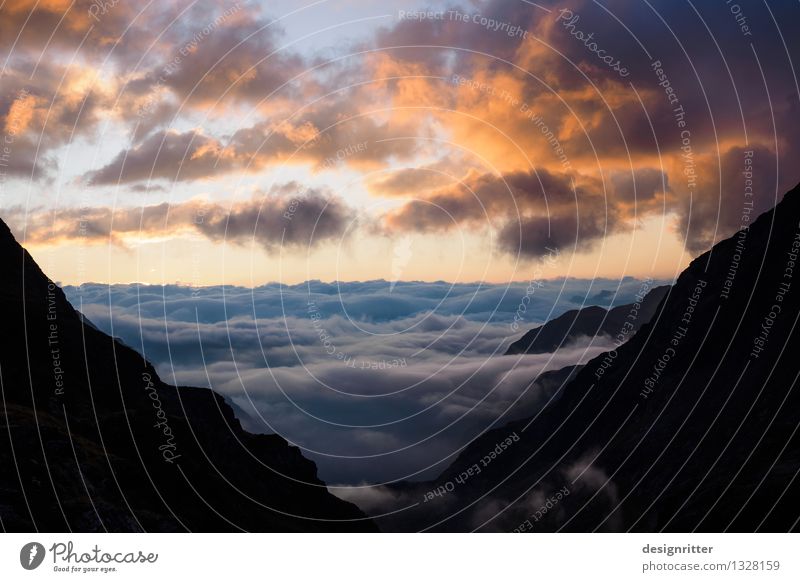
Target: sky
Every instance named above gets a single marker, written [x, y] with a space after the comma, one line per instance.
[214, 142]
[339, 213]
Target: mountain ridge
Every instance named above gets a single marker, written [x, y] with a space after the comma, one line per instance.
[94, 440]
[687, 428]
[590, 321]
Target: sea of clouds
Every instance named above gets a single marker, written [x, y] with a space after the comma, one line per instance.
[375, 381]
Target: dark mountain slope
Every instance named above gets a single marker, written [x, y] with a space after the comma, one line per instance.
[590, 321]
[91, 439]
[690, 425]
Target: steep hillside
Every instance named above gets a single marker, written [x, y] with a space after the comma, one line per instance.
[91, 439]
[690, 425]
[589, 322]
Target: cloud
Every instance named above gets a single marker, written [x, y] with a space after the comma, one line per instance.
[639, 186]
[236, 54]
[410, 181]
[375, 499]
[288, 216]
[510, 88]
[534, 211]
[178, 79]
[304, 221]
[63, 25]
[373, 385]
[744, 186]
[323, 142]
[40, 114]
[169, 155]
[538, 236]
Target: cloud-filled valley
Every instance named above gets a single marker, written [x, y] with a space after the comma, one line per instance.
[376, 381]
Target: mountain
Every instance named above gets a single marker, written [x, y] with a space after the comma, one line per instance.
[589, 322]
[93, 440]
[691, 425]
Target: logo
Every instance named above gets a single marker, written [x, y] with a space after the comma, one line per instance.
[31, 555]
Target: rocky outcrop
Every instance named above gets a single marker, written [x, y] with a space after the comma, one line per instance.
[592, 321]
[691, 425]
[92, 440]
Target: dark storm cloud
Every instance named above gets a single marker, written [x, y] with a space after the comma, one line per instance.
[304, 221]
[290, 215]
[540, 236]
[62, 26]
[640, 185]
[737, 87]
[535, 211]
[238, 54]
[483, 197]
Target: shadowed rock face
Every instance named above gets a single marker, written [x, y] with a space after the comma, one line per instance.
[690, 425]
[91, 439]
[590, 321]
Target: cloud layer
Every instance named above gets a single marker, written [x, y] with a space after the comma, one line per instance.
[374, 383]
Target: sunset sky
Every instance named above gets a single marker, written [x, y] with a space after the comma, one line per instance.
[243, 142]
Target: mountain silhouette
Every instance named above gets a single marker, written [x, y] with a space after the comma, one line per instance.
[589, 321]
[690, 425]
[93, 440]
